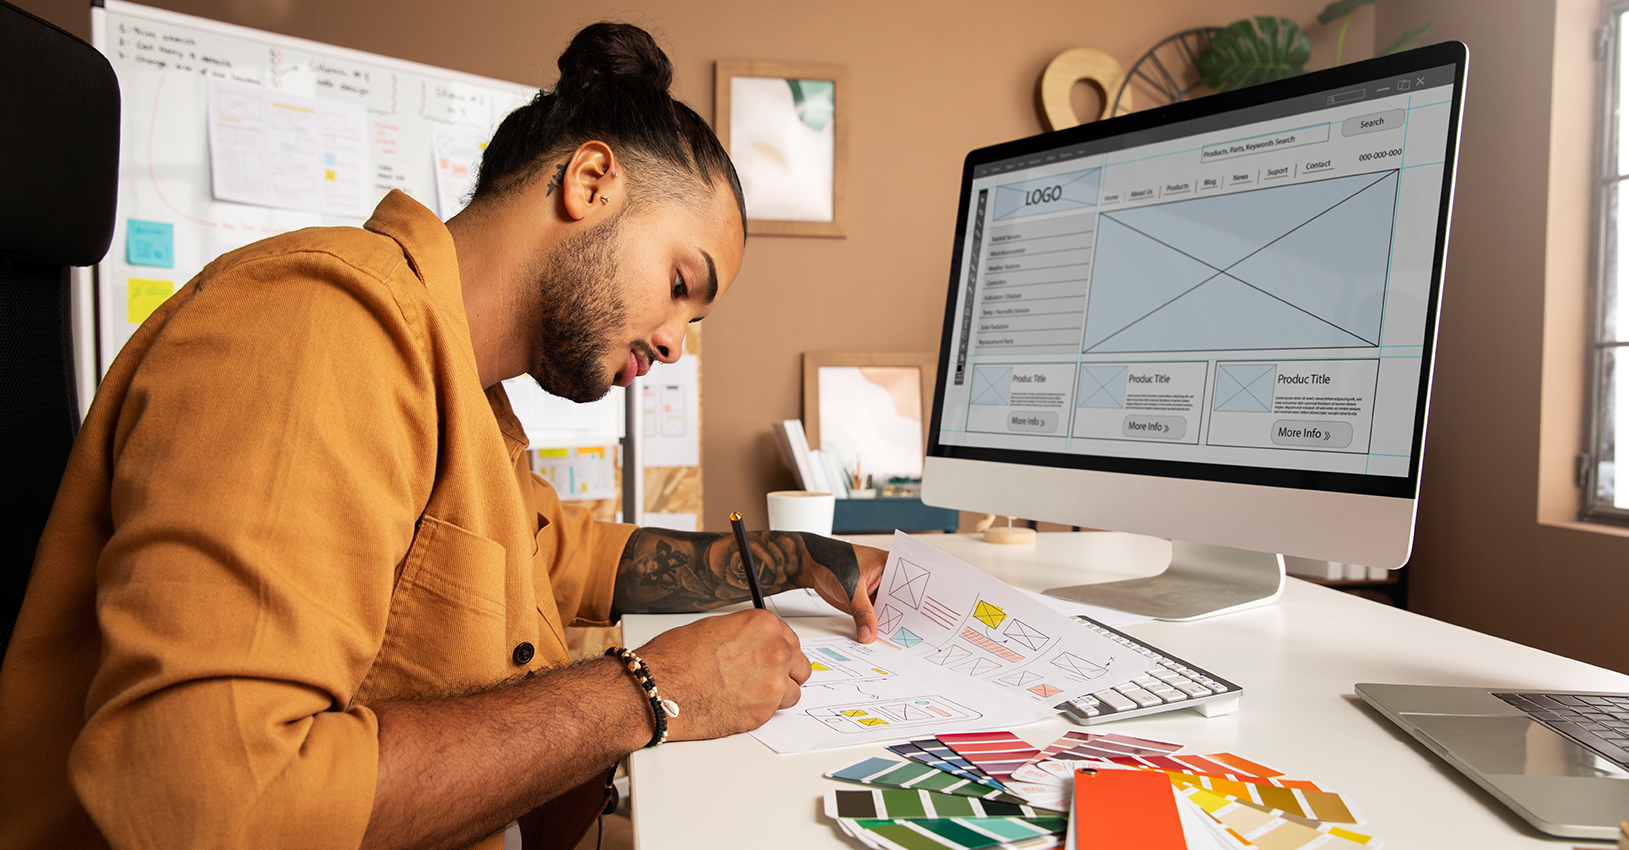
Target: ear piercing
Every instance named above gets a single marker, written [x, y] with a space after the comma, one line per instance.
[604, 199]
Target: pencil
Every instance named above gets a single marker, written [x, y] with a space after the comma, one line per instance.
[746, 560]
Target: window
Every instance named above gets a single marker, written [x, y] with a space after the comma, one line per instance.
[1609, 350]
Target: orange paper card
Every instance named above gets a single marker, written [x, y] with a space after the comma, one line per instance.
[1126, 808]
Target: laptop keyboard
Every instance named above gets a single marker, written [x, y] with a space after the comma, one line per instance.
[1169, 685]
[1598, 721]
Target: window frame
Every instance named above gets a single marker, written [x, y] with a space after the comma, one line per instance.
[1610, 174]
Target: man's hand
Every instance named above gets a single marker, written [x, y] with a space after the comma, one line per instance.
[728, 674]
[846, 579]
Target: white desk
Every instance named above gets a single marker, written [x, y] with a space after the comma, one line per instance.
[1297, 661]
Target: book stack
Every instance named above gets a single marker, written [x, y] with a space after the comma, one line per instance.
[815, 471]
[993, 790]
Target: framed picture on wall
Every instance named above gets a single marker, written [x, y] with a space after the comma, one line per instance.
[786, 128]
[869, 409]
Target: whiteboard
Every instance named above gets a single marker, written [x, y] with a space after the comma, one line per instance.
[421, 131]
[167, 63]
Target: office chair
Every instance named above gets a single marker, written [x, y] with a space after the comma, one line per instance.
[59, 162]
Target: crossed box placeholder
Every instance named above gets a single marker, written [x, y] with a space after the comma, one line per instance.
[1297, 266]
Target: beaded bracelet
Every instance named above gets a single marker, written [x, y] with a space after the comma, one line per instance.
[661, 708]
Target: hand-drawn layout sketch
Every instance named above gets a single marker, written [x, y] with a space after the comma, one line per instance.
[894, 714]
[967, 622]
[878, 692]
[957, 650]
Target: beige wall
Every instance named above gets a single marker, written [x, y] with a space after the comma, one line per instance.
[931, 81]
[1488, 553]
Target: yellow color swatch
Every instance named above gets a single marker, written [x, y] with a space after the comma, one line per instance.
[853, 712]
[146, 296]
[873, 721]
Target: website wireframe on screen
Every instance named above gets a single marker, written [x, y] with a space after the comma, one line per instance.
[1240, 290]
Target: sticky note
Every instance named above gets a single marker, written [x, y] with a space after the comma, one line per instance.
[149, 243]
[146, 296]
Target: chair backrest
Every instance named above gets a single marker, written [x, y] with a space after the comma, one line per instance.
[59, 162]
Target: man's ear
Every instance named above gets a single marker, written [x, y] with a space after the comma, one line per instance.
[591, 185]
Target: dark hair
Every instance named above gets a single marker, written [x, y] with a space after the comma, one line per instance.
[613, 87]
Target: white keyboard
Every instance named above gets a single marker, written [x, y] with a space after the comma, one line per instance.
[1169, 685]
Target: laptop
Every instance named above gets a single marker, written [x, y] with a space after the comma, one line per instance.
[1559, 759]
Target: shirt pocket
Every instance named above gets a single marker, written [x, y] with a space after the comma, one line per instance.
[447, 628]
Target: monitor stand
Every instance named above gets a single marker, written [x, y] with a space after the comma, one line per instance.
[1202, 581]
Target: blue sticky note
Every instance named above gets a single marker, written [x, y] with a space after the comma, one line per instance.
[149, 243]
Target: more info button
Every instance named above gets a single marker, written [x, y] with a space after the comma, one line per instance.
[1302, 432]
[1154, 427]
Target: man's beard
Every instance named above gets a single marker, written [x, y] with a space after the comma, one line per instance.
[578, 311]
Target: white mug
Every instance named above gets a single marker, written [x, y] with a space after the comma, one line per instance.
[800, 510]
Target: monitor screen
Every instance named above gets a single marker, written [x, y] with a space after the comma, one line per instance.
[1240, 290]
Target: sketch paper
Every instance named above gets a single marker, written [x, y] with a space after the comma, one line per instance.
[960, 618]
[865, 693]
[274, 149]
[803, 602]
[958, 651]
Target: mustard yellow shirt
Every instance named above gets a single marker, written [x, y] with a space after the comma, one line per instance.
[291, 499]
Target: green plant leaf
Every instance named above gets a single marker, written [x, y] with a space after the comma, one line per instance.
[1340, 9]
[1402, 41]
[1248, 52]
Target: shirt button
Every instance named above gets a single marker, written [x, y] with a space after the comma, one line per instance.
[523, 653]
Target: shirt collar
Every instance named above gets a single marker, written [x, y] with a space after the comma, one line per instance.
[429, 247]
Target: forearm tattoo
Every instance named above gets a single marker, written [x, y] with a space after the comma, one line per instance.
[665, 572]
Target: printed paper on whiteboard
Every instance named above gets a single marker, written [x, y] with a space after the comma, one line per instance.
[580, 472]
[458, 152]
[672, 420]
[274, 149]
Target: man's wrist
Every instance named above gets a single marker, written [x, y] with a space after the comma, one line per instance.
[626, 700]
[661, 708]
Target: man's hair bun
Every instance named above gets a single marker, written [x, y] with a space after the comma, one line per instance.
[613, 88]
[613, 53]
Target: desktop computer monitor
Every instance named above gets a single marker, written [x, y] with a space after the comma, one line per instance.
[1211, 322]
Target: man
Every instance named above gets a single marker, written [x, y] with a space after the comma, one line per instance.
[299, 588]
